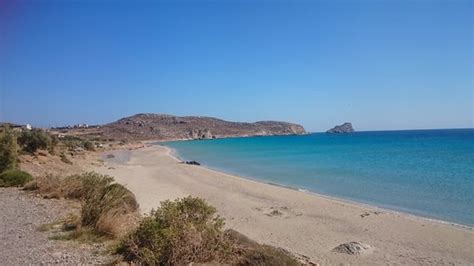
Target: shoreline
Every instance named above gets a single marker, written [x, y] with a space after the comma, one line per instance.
[305, 223]
[174, 154]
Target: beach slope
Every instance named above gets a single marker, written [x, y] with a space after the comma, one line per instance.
[300, 222]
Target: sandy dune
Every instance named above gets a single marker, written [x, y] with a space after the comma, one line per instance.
[301, 222]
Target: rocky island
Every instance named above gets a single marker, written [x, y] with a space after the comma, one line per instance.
[344, 128]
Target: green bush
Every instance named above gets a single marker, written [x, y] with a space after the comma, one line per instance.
[188, 231]
[178, 233]
[14, 178]
[32, 140]
[72, 142]
[8, 150]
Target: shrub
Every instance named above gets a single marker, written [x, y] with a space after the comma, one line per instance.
[8, 150]
[187, 231]
[75, 186]
[32, 140]
[179, 232]
[84, 185]
[54, 143]
[14, 178]
[50, 186]
[72, 142]
[107, 207]
[89, 146]
[103, 209]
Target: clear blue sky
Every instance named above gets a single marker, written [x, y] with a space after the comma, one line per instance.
[378, 64]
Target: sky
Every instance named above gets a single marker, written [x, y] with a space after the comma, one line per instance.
[378, 64]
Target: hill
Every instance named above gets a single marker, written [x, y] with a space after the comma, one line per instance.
[164, 127]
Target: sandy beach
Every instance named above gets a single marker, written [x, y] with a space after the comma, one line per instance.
[300, 222]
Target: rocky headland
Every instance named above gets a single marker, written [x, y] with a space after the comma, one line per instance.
[165, 127]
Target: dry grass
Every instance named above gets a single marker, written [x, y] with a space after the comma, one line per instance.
[108, 208]
[249, 252]
[48, 186]
[85, 185]
[81, 235]
[69, 223]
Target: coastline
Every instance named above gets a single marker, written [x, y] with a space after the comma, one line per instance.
[174, 154]
[307, 223]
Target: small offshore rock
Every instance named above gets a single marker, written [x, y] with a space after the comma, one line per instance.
[344, 128]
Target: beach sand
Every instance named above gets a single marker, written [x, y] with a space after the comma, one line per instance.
[300, 222]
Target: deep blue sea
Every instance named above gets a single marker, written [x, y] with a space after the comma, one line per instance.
[425, 172]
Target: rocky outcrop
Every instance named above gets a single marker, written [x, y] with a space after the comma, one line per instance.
[352, 248]
[344, 128]
[167, 127]
[200, 134]
[192, 163]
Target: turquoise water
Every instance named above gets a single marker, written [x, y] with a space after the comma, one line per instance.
[424, 172]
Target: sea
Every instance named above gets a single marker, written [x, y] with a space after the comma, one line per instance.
[429, 173]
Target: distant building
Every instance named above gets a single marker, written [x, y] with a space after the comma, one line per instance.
[16, 127]
[81, 126]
